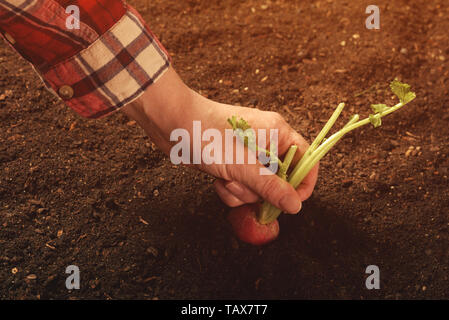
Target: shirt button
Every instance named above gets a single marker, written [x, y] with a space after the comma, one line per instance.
[10, 38]
[66, 92]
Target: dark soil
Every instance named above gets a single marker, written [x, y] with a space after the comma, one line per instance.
[99, 195]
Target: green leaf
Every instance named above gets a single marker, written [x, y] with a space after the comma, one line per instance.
[378, 108]
[240, 127]
[233, 122]
[375, 120]
[402, 91]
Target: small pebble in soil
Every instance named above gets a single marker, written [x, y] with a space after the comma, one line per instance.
[31, 277]
[409, 151]
[153, 251]
[41, 210]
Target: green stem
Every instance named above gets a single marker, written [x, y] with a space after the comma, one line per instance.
[329, 124]
[265, 215]
[353, 119]
[287, 161]
[268, 211]
[319, 153]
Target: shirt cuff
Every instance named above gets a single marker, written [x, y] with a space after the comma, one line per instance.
[113, 71]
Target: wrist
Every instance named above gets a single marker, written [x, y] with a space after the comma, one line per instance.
[163, 106]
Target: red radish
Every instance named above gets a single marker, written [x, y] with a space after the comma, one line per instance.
[246, 227]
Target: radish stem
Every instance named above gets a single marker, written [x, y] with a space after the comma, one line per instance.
[321, 146]
[287, 161]
[266, 212]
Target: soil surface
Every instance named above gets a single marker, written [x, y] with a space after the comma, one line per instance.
[99, 195]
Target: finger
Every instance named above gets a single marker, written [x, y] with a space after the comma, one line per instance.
[294, 138]
[268, 186]
[306, 187]
[241, 192]
[225, 195]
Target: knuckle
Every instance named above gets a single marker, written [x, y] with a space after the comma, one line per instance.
[228, 200]
[225, 172]
[268, 186]
[272, 118]
[278, 120]
[298, 140]
[239, 172]
[231, 173]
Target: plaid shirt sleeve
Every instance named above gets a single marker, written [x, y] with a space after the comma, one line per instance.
[97, 68]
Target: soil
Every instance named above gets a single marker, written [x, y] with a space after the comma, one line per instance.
[98, 194]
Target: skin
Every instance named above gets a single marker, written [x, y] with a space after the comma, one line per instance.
[169, 104]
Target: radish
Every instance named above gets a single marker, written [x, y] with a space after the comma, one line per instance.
[244, 222]
[262, 226]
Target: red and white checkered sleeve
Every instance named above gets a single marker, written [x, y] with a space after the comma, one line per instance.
[97, 68]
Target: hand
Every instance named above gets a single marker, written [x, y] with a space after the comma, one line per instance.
[169, 104]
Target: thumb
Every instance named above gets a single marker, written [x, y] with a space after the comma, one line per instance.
[268, 186]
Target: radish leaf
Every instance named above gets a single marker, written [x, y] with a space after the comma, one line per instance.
[402, 91]
[375, 120]
[377, 108]
[244, 132]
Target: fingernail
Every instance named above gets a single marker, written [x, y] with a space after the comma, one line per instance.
[234, 188]
[290, 204]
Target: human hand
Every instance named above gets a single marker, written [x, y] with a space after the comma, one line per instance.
[169, 104]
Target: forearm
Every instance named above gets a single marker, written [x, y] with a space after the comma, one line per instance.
[95, 69]
[162, 108]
